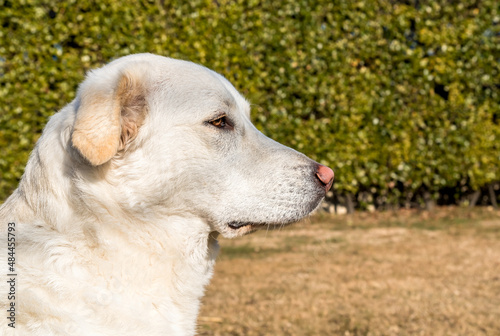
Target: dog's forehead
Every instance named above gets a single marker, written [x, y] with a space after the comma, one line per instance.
[190, 84]
[236, 98]
[184, 83]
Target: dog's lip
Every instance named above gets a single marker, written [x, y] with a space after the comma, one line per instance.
[251, 225]
[239, 225]
[254, 225]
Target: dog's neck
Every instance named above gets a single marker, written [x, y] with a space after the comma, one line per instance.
[163, 268]
[153, 275]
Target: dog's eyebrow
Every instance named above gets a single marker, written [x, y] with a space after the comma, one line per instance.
[219, 114]
[228, 103]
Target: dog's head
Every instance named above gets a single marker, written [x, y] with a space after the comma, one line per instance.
[173, 137]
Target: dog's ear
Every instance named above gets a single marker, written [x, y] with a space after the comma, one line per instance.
[112, 106]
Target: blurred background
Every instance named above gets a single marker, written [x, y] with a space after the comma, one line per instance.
[400, 98]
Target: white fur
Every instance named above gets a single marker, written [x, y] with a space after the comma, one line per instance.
[127, 247]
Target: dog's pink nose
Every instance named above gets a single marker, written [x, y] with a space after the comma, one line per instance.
[325, 175]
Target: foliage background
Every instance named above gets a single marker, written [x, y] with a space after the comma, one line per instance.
[400, 98]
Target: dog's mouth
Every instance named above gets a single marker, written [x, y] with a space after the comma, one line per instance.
[252, 226]
[239, 225]
[243, 228]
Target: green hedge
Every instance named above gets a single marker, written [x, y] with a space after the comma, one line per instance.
[399, 97]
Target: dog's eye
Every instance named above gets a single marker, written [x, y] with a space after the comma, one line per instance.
[220, 122]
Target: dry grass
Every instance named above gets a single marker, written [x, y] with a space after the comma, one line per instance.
[403, 273]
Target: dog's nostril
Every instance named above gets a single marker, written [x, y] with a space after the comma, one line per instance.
[325, 176]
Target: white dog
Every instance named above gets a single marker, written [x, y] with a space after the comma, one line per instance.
[113, 227]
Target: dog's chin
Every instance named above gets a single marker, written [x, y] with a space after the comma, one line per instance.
[234, 229]
[237, 228]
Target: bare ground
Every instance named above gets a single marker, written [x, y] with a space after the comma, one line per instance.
[394, 273]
